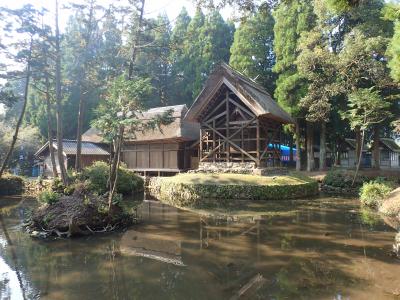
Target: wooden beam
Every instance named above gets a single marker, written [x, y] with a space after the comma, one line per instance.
[214, 110]
[241, 107]
[228, 152]
[232, 143]
[211, 152]
[258, 142]
[214, 141]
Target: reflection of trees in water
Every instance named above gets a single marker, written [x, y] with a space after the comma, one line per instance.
[13, 255]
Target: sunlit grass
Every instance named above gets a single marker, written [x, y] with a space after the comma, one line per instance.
[234, 179]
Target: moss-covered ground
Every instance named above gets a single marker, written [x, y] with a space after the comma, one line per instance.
[234, 179]
[221, 190]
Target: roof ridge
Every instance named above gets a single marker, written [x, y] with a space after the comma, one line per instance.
[247, 79]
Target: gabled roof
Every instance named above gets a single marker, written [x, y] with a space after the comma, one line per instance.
[92, 135]
[69, 148]
[353, 143]
[177, 129]
[391, 144]
[249, 92]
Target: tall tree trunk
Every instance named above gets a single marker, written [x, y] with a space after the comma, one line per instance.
[375, 148]
[297, 140]
[60, 150]
[81, 113]
[117, 163]
[22, 114]
[359, 145]
[322, 147]
[359, 158]
[338, 152]
[81, 118]
[310, 147]
[117, 155]
[50, 129]
[136, 42]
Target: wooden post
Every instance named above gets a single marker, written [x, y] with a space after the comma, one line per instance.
[258, 142]
[201, 144]
[228, 150]
[214, 154]
[162, 158]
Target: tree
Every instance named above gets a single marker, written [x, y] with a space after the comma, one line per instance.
[26, 26]
[291, 20]
[118, 116]
[178, 58]
[392, 13]
[366, 108]
[207, 42]
[361, 64]
[316, 63]
[60, 148]
[42, 81]
[154, 60]
[84, 56]
[252, 49]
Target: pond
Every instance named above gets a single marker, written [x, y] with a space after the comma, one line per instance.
[316, 249]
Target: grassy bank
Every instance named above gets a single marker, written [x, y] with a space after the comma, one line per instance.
[205, 190]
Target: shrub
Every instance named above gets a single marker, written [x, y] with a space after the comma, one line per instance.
[372, 193]
[49, 197]
[57, 186]
[11, 185]
[97, 176]
[343, 179]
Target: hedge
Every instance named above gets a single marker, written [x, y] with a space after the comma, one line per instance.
[11, 185]
[193, 194]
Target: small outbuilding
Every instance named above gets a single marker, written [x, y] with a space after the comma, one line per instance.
[347, 156]
[389, 154]
[168, 149]
[239, 120]
[91, 152]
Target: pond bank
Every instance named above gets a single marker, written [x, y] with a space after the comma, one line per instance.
[213, 190]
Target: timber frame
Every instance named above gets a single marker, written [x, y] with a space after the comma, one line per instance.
[231, 132]
[239, 120]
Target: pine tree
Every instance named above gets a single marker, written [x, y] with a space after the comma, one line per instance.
[291, 20]
[178, 58]
[252, 49]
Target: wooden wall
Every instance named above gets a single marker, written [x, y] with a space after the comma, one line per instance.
[156, 156]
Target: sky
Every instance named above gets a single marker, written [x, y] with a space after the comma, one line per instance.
[152, 7]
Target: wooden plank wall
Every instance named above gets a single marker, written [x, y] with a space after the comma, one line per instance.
[156, 156]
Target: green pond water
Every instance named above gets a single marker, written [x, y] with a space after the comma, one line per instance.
[317, 249]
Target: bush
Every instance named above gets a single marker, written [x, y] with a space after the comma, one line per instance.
[373, 193]
[343, 179]
[11, 185]
[97, 176]
[49, 197]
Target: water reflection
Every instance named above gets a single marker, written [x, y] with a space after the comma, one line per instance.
[305, 250]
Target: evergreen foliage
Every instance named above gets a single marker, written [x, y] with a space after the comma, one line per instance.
[252, 49]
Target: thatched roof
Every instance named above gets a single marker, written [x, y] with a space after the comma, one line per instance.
[249, 92]
[179, 129]
[69, 148]
[93, 135]
[391, 144]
